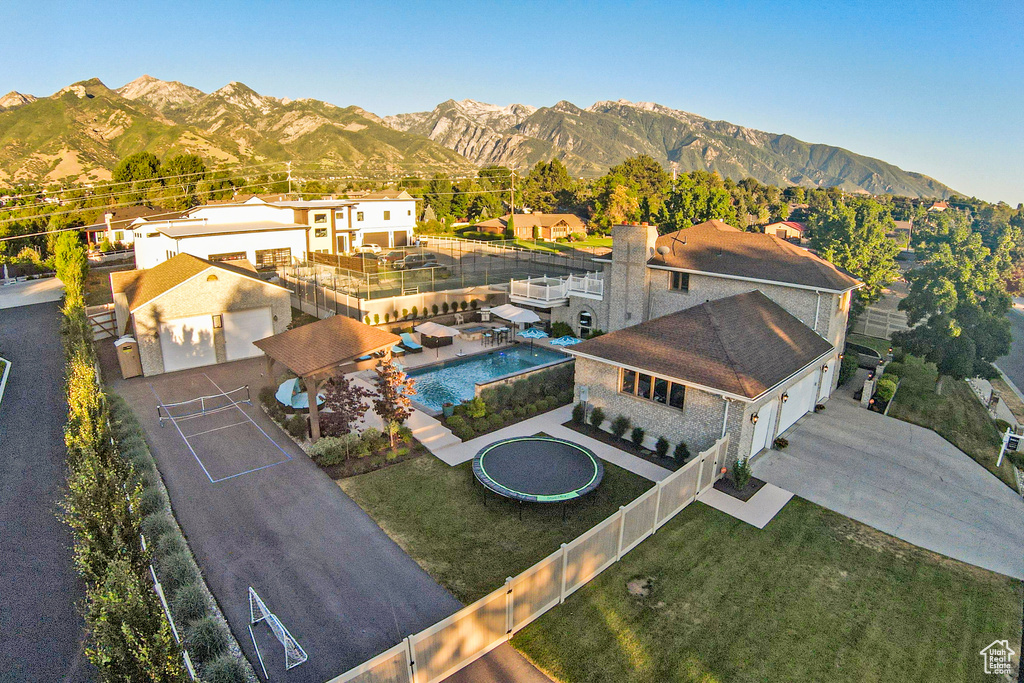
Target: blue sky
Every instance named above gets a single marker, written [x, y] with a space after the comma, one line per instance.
[933, 87]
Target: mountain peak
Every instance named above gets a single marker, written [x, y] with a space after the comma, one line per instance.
[16, 99]
[163, 96]
[242, 96]
[83, 89]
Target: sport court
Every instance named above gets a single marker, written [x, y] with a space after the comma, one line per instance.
[222, 437]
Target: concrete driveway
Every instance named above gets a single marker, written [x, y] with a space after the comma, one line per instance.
[901, 479]
[31, 292]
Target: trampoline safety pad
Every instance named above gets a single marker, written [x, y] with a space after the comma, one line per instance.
[538, 469]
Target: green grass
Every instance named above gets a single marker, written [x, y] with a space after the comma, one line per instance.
[594, 241]
[953, 412]
[435, 512]
[812, 597]
[876, 343]
[97, 284]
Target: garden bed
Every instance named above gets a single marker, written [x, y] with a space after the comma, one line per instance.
[726, 485]
[623, 445]
[375, 460]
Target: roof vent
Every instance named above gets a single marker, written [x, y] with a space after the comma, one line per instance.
[664, 250]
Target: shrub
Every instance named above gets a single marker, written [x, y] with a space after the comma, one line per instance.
[444, 307]
[276, 412]
[741, 473]
[374, 439]
[332, 450]
[579, 413]
[176, 570]
[681, 453]
[597, 417]
[560, 329]
[895, 369]
[819, 407]
[296, 425]
[457, 422]
[465, 433]
[405, 312]
[885, 389]
[780, 442]
[415, 312]
[405, 434]
[387, 318]
[156, 525]
[169, 544]
[531, 409]
[620, 426]
[661, 447]
[495, 421]
[152, 499]
[267, 396]
[376, 318]
[206, 639]
[637, 436]
[476, 408]
[847, 368]
[507, 415]
[519, 411]
[474, 304]
[434, 309]
[189, 603]
[224, 669]
[888, 376]
[479, 425]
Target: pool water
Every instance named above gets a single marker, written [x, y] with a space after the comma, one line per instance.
[455, 381]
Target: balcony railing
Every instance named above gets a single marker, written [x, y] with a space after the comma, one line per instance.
[552, 290]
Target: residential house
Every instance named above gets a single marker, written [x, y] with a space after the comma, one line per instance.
[801, 299]
[787, 230]
[188, 312]
[536, 225]
[116, 224]
[938, 207]
[274, 231]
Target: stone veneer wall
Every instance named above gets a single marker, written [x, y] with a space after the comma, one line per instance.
[199, 296]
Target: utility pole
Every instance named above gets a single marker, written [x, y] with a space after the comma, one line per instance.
[289, 178]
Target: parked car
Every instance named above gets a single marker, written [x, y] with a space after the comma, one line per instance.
[413, 261]
[368, 249]
[391, 257]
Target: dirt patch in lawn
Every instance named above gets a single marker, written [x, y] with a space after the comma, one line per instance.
[725, 485]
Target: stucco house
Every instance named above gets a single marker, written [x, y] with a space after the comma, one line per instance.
[188, 312]
[536, 225]
[795, 328]
[787, 230]
[273, 231]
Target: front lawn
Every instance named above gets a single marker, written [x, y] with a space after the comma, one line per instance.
[436, 513]
[814, 596]
[951, 409]
[878, 344]
[592, 242]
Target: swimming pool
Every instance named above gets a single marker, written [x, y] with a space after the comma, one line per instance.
[455, 381]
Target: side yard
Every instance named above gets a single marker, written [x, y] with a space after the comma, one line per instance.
[814, 596]
[951, 409]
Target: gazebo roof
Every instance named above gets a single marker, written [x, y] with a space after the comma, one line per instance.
[325, 344]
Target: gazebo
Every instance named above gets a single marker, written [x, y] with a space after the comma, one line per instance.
[321, 350]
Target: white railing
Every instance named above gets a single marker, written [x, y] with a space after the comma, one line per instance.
[451, 644]
[550, 289]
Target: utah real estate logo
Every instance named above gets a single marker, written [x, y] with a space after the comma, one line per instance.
[997, 658]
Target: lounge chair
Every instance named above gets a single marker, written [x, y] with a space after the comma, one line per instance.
[409, 344]
[397, 350]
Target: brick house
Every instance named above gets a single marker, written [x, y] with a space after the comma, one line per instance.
[188, 312]
[709, 272]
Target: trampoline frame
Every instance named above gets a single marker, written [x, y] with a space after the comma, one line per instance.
[481, 475]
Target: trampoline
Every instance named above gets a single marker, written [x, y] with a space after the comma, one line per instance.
[538, 469]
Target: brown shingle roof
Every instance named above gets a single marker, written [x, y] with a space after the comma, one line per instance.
[534, 220]
[742, 345]
[142, 286]
[325, 344]
[716, 247]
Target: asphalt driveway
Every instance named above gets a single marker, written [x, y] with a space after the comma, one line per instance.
[902, 479]
[258, 512]
[41, 630]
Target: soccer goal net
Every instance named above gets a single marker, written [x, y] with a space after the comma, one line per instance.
[203, 405]
[258, 611]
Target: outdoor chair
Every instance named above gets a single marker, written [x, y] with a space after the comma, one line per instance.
[409, 344]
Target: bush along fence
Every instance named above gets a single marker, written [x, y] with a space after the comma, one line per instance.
[451, 644]
[111, 483]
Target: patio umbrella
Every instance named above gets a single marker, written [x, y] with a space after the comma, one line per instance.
[567, 340]
[533, 333]
[432, 329]
[515, 314]
[291, 394]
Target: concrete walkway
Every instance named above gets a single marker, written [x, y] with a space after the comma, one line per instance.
[31, 292]
[902, 479]
[758, 511]
[551, 423]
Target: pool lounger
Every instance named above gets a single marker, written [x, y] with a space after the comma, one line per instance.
[409, 344]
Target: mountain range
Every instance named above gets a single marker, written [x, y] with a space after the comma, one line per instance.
[80, 132]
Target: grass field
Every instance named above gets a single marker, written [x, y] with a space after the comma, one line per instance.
[435, 512]
[953, 411]
[592, 242]
[97, 284]
[812, 597]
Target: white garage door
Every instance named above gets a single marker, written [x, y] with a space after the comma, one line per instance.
[242, 328]
[762, 430]
[187, 342]
[801, 399]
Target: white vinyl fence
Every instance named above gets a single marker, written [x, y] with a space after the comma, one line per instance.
[453, 643]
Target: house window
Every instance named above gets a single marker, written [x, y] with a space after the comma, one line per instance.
[119, 236]
[319, 232]
[409, 212]
[233, 256]
[387, 215]
[586, 323]
[359, 215]
[339, 215]
[652, 388]
[680, 282]
[320, 218]
[272, 258]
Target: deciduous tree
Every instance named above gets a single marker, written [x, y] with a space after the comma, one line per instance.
[394, 388]
[344, 405]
